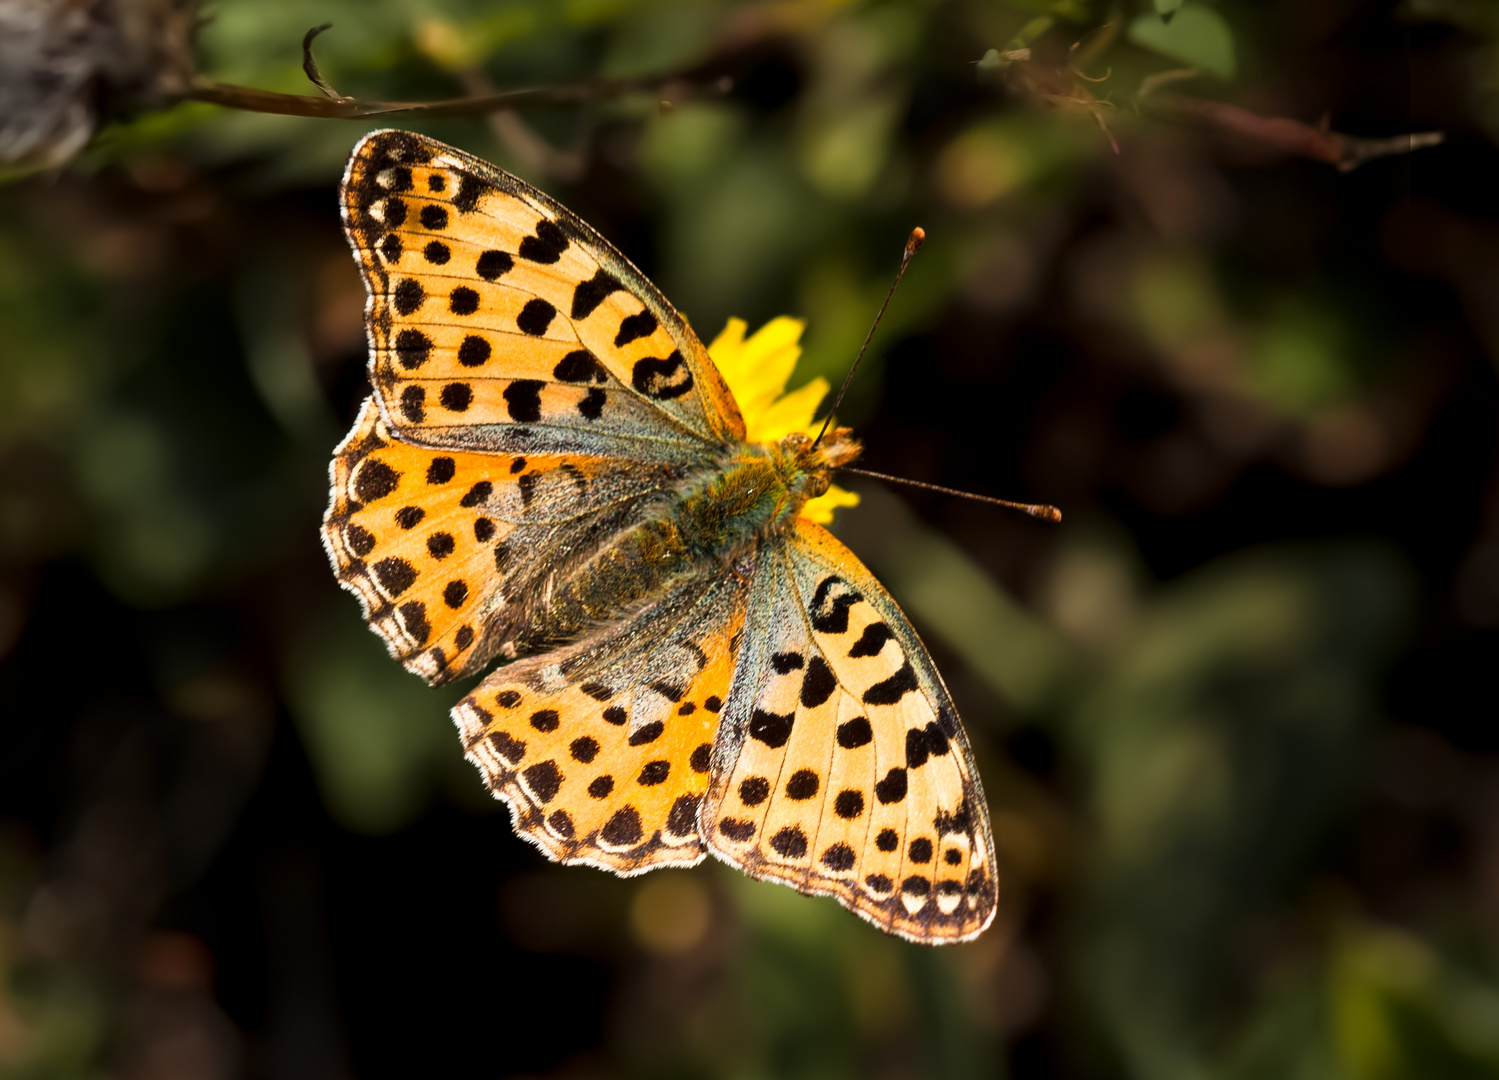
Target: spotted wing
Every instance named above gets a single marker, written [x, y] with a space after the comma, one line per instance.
[603, 749]
[499, 321]
[449, 551]
[841, 768]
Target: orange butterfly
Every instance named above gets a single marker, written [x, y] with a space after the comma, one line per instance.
[551, 470]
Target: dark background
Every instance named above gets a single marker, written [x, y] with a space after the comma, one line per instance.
[1235, 716]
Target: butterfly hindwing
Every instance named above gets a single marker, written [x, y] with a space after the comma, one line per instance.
[843, 770]
[444, 548]
[603, 749]
[498, 320]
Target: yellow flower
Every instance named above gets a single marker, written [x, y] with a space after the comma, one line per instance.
[757, 370]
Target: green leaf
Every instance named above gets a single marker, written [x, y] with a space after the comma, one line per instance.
[1167, 8]
[1195, 35]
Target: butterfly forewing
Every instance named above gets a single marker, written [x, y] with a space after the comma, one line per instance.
[500, 321]
[444, 548]
[842, 768]
[603, 749]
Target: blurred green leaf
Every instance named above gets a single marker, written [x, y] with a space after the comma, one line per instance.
[1194, 35]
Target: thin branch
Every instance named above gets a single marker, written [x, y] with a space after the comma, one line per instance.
[1347, 152]
[250, 99]
[530, 149]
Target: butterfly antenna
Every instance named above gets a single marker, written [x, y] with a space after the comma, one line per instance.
[913, 245]
[1041, 513]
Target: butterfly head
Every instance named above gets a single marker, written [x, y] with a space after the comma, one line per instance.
[806, 468]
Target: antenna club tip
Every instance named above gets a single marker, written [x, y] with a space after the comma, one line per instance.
[917, 238]
[1050, 514]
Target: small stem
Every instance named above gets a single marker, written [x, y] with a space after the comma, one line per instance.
[309, 65]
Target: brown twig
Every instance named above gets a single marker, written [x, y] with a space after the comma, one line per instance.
[1065, 87]
[250, 99]
[1347, 152]
[334, 106]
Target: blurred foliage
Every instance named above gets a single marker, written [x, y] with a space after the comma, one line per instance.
[1246, 814]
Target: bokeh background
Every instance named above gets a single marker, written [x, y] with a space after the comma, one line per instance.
[1235, 716]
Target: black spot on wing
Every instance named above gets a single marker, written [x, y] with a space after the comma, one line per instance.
[535, 317]
[592, 405]
[413, 402]
[374, 480]
[916, 751]
[871, 641]
[546, 246]
[790, 842]
[891, 690]
[786, 662]
[770, 728]
[892, 789]
[456, 397]
[414, 619]
[839, 857]
[463, 301]
[682, 821]
[360, 539]
[561, 823]
[507, 746]
[543, 779]
[491, 265]
[737, 830]
[591, 293]
[580, 366]
[855, 733]
[413, 348]
[623, 829]
[830, 604]
[818, 684]
[802, 785]
[474, 351]
[647, 734]
[662, 379]
[849, 804]
[470, 187]
[523, 399]
[634, 327]
[408, 295]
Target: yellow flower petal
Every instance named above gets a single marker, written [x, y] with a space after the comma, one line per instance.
[757, 369]
[820, 510]
[793, 412]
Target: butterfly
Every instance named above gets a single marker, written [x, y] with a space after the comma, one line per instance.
[552, 472]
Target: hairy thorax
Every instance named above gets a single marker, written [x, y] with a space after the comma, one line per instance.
[719, 515]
